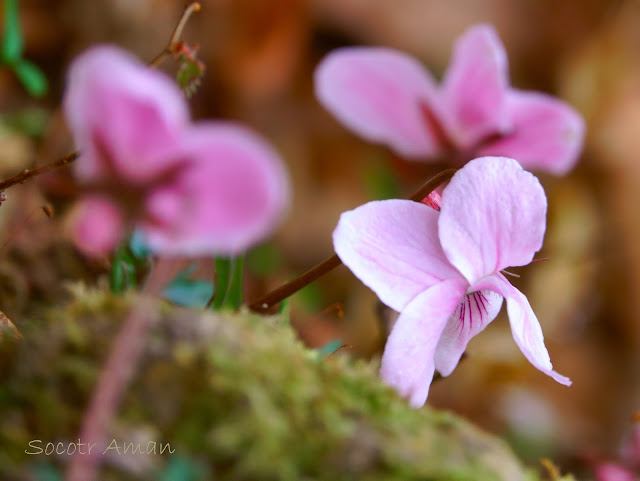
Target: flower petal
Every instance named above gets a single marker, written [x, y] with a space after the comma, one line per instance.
[231, 195]
[392, 246]
[379, 93]
[474, 87]
[548, 133]
[611, 471]
[525, 327]
[474, 313]
[407, 362]
[492, 217]
[96, 226]
[125, 116]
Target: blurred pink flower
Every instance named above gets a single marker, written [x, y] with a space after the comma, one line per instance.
[192, 189]
[626, 466]
[608, 471]
[441, 271]
[631, 447]
[387, 96]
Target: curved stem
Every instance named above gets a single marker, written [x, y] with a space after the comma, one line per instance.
[176, 35]
[122, 360]
[432, 184]
[281, 293]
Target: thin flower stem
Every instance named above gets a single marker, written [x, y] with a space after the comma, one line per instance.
[281, 293]
[504, 271]
[539, 259]
[176, 35]
[117, 372]
[177, 32]
[432, 184]
[69, 158]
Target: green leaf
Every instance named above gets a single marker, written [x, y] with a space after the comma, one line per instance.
[188, 76]
[181, 469]
[12, 36]
[329, 348]
[31, 77]
[124, 270]
[131, 262]
[189, 293]
[190, 71]
[222, 265]
[285, 312]
[138, 247]
[234, 295]
[45, 472]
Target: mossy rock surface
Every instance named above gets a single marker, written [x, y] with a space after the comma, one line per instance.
[236, 396]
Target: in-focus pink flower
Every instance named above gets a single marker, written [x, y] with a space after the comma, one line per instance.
[441, 270]
[192, 189]
[387, 96]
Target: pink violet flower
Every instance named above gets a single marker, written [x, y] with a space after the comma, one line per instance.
[610, 471]
[442, 270]
[387, 96]
[192, 189]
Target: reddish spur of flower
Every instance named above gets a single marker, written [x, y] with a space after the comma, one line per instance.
[388, 97]
[433, 200]
[191, 188]
[442, 270]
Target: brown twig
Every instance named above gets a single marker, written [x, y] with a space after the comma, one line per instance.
[26, 174]
[278, 295]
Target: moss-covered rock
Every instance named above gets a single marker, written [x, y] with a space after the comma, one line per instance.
[236, 396]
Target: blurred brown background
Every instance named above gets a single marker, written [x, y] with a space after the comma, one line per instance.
[260, 57]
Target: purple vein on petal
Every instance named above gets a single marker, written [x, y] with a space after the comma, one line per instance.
[482, 301]
[475, 298]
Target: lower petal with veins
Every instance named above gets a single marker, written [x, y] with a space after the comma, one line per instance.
[407, 362]
[475, 311]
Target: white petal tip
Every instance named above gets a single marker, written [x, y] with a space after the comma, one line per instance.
[560, 378]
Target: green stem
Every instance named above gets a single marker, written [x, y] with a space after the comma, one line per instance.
[234, 294]
[222, 266]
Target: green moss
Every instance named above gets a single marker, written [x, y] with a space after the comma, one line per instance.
[237, 395]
